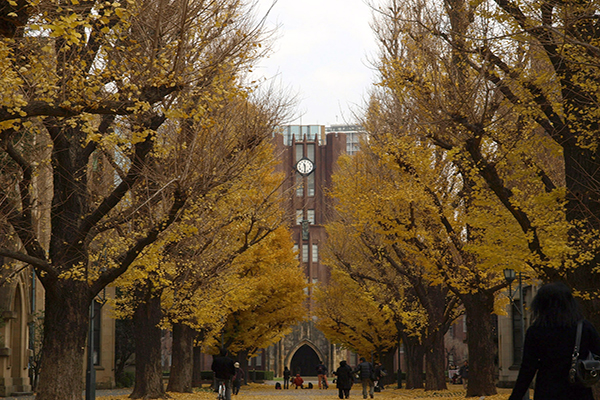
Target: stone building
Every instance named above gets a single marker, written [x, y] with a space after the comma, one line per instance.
[17, 311]
[309, 154]
[21, 307]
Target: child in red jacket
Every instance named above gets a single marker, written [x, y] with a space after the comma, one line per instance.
[298, 381]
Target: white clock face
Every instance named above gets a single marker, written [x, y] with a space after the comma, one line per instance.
[304, 166]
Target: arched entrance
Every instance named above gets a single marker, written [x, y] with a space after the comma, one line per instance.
[304, 361]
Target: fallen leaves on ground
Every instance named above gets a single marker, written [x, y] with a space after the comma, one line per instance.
[263, 392]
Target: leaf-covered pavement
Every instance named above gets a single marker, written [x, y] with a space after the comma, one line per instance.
[267, 392]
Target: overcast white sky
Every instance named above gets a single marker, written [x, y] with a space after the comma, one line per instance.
[323, 54]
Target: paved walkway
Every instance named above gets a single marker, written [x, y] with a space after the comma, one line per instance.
[99, 393]
[268, 391]
[269, 385]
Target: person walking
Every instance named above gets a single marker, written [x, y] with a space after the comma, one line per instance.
[286, 377]
[549, 344]
[464, 373]
[379, 374]
[344, 379]
[365, 373]
[238, 378]
[322, 375]
[224, 369]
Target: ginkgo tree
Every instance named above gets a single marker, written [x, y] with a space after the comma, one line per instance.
[350, 316]
[417, 214]
[387, 249]
[235, 205]
[266, 298]
[240, 252]
[93, 95]
[521, 110]
[437, 88]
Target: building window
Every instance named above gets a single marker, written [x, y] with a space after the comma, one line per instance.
[311, 184]
[299, 152]
[315, 253]
[310, 152]
[296, 251]
[305, 252]
[299, 217]
[353, 142]
[299, 185]
[310, 216]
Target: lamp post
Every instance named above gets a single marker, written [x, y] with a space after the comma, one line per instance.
[399, 363]
[510, 275]
[90, 381]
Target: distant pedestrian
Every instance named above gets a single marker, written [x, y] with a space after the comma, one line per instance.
[464, 373]
[286, 377]
[224, 369]
[366, 374]
[238, 378]
[344, 380]
[379, 374]
[322, 375]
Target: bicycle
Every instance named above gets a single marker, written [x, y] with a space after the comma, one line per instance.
[221, 391]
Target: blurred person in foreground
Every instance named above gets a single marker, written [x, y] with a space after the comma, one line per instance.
[365, 373]
[224, 369]
[344, 380]
[549, 344]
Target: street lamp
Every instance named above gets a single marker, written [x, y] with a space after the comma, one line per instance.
[510, 275]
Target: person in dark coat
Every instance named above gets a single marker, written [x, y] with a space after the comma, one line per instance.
[344, 380]
[238, 378]
[224, 369]
[286, 377]
[463, 372]
[380, 373]
[549, 344]
[365, 373]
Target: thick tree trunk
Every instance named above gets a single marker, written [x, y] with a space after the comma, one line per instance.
[434, 301]
[242, 358]
[66, 325]
[479, 308]
[435, 379]
[183, 363]
[387, 362]
[148, 369]
[414, 353]
[197, 367]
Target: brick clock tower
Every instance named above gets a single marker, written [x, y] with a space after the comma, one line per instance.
[309, 154]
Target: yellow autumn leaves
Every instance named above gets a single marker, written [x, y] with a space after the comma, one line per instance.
[264, 392]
